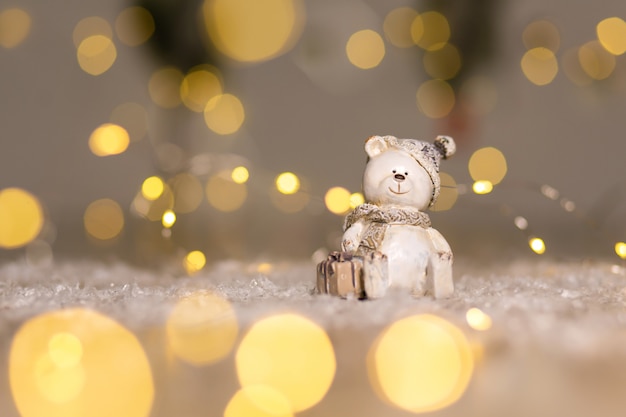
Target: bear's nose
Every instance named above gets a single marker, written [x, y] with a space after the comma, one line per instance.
[399, 177]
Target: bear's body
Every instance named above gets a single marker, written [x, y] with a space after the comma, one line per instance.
[401, 180]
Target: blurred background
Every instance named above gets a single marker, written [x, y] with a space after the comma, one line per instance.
[207, 130]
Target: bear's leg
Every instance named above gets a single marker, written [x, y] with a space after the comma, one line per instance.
[440, 274]
[375, 275]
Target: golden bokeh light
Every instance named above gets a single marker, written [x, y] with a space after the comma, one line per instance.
[488, 164]
[153, 209]
[356, 199]
[430, 30]
[337, 200]
[134, 26]
[202, 328]
[103, 219]
[421, 363]
[572, 68]
[224, 194]
[78, 362]
[90, 26]
[15, 26]
[224, 114]
[132, 117]
[435, 98]
[96, 54]
[253, 30]
[365, 49]
[168, 219]
[164, 87]
[187, 191]
[540, 66]
[482, 187]
[194, 261]
[290, 354]
[542, 34]
[620, 249]
[537, 245]
[477, 319]
[152, 188]
[108, 139]
[397, 26]
[596, 61]
[240, 175]
[258, 401]
[287, 183]
[443, 63]
[289, 203]
[198, 87]
[448, 195]
[612, 35]
[21, 218]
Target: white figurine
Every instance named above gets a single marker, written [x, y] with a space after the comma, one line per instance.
[401, 180]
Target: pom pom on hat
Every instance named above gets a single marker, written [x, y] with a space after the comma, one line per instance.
[446, 146]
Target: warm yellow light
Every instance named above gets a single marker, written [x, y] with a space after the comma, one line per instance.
[541, 34]
[21, 218]
[258, 401]
[104, 219]
[90, 26]
[290, 354]
[202, 328]
[421, 363]
[132, 117]
[224, 194]
[198, 87]
[187, 191]
[240, 175]
[620, 249]
[264, 268]
[251, 30]
[365, 49]
[194, 261]
[108, 139]
[77, 359]
[430, 30]
[443, 63]
[164, 87]
[134, 26]
[356, 199]
[289, 203]
[540, 66]
[537, 245]
[477, 319]
[482, 187]
[612, 35]
[96, 54]
[448, 195]
[435, 98]
[596, 61]
[14, 27]
[488, 164]
[224, 114]
[287, 183]
[337, 200]
[168, 219]
[571, 65]
[397, 26]
[152, 188]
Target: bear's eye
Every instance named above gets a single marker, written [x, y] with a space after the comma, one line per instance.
[394, 171]
[406, 173]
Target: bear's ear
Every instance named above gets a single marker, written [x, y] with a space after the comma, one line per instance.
[375, 145]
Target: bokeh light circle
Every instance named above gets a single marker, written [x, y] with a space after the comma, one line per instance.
[224, 114]
[287, 183]
[224, 194]
[337, 200]
[15, 25]
[612, 35]
[365, 49]
[540, 66]
[421, 363]
[21, 218]
[202, 328]
[96, 54]
[78, 362]
[435, 98]
[397, 26]
[108, 139]
[258, 401]
[488, 164]
[104, 219]
[290, 354]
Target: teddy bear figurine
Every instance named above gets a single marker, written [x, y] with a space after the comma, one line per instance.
[400, 181]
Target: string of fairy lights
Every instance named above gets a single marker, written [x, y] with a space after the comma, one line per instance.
[241, 31]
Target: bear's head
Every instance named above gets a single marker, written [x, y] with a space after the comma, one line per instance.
[404, 172]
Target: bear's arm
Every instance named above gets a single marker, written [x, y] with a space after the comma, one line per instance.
[352, 237]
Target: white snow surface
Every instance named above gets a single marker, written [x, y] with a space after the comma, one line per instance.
[557, 345]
